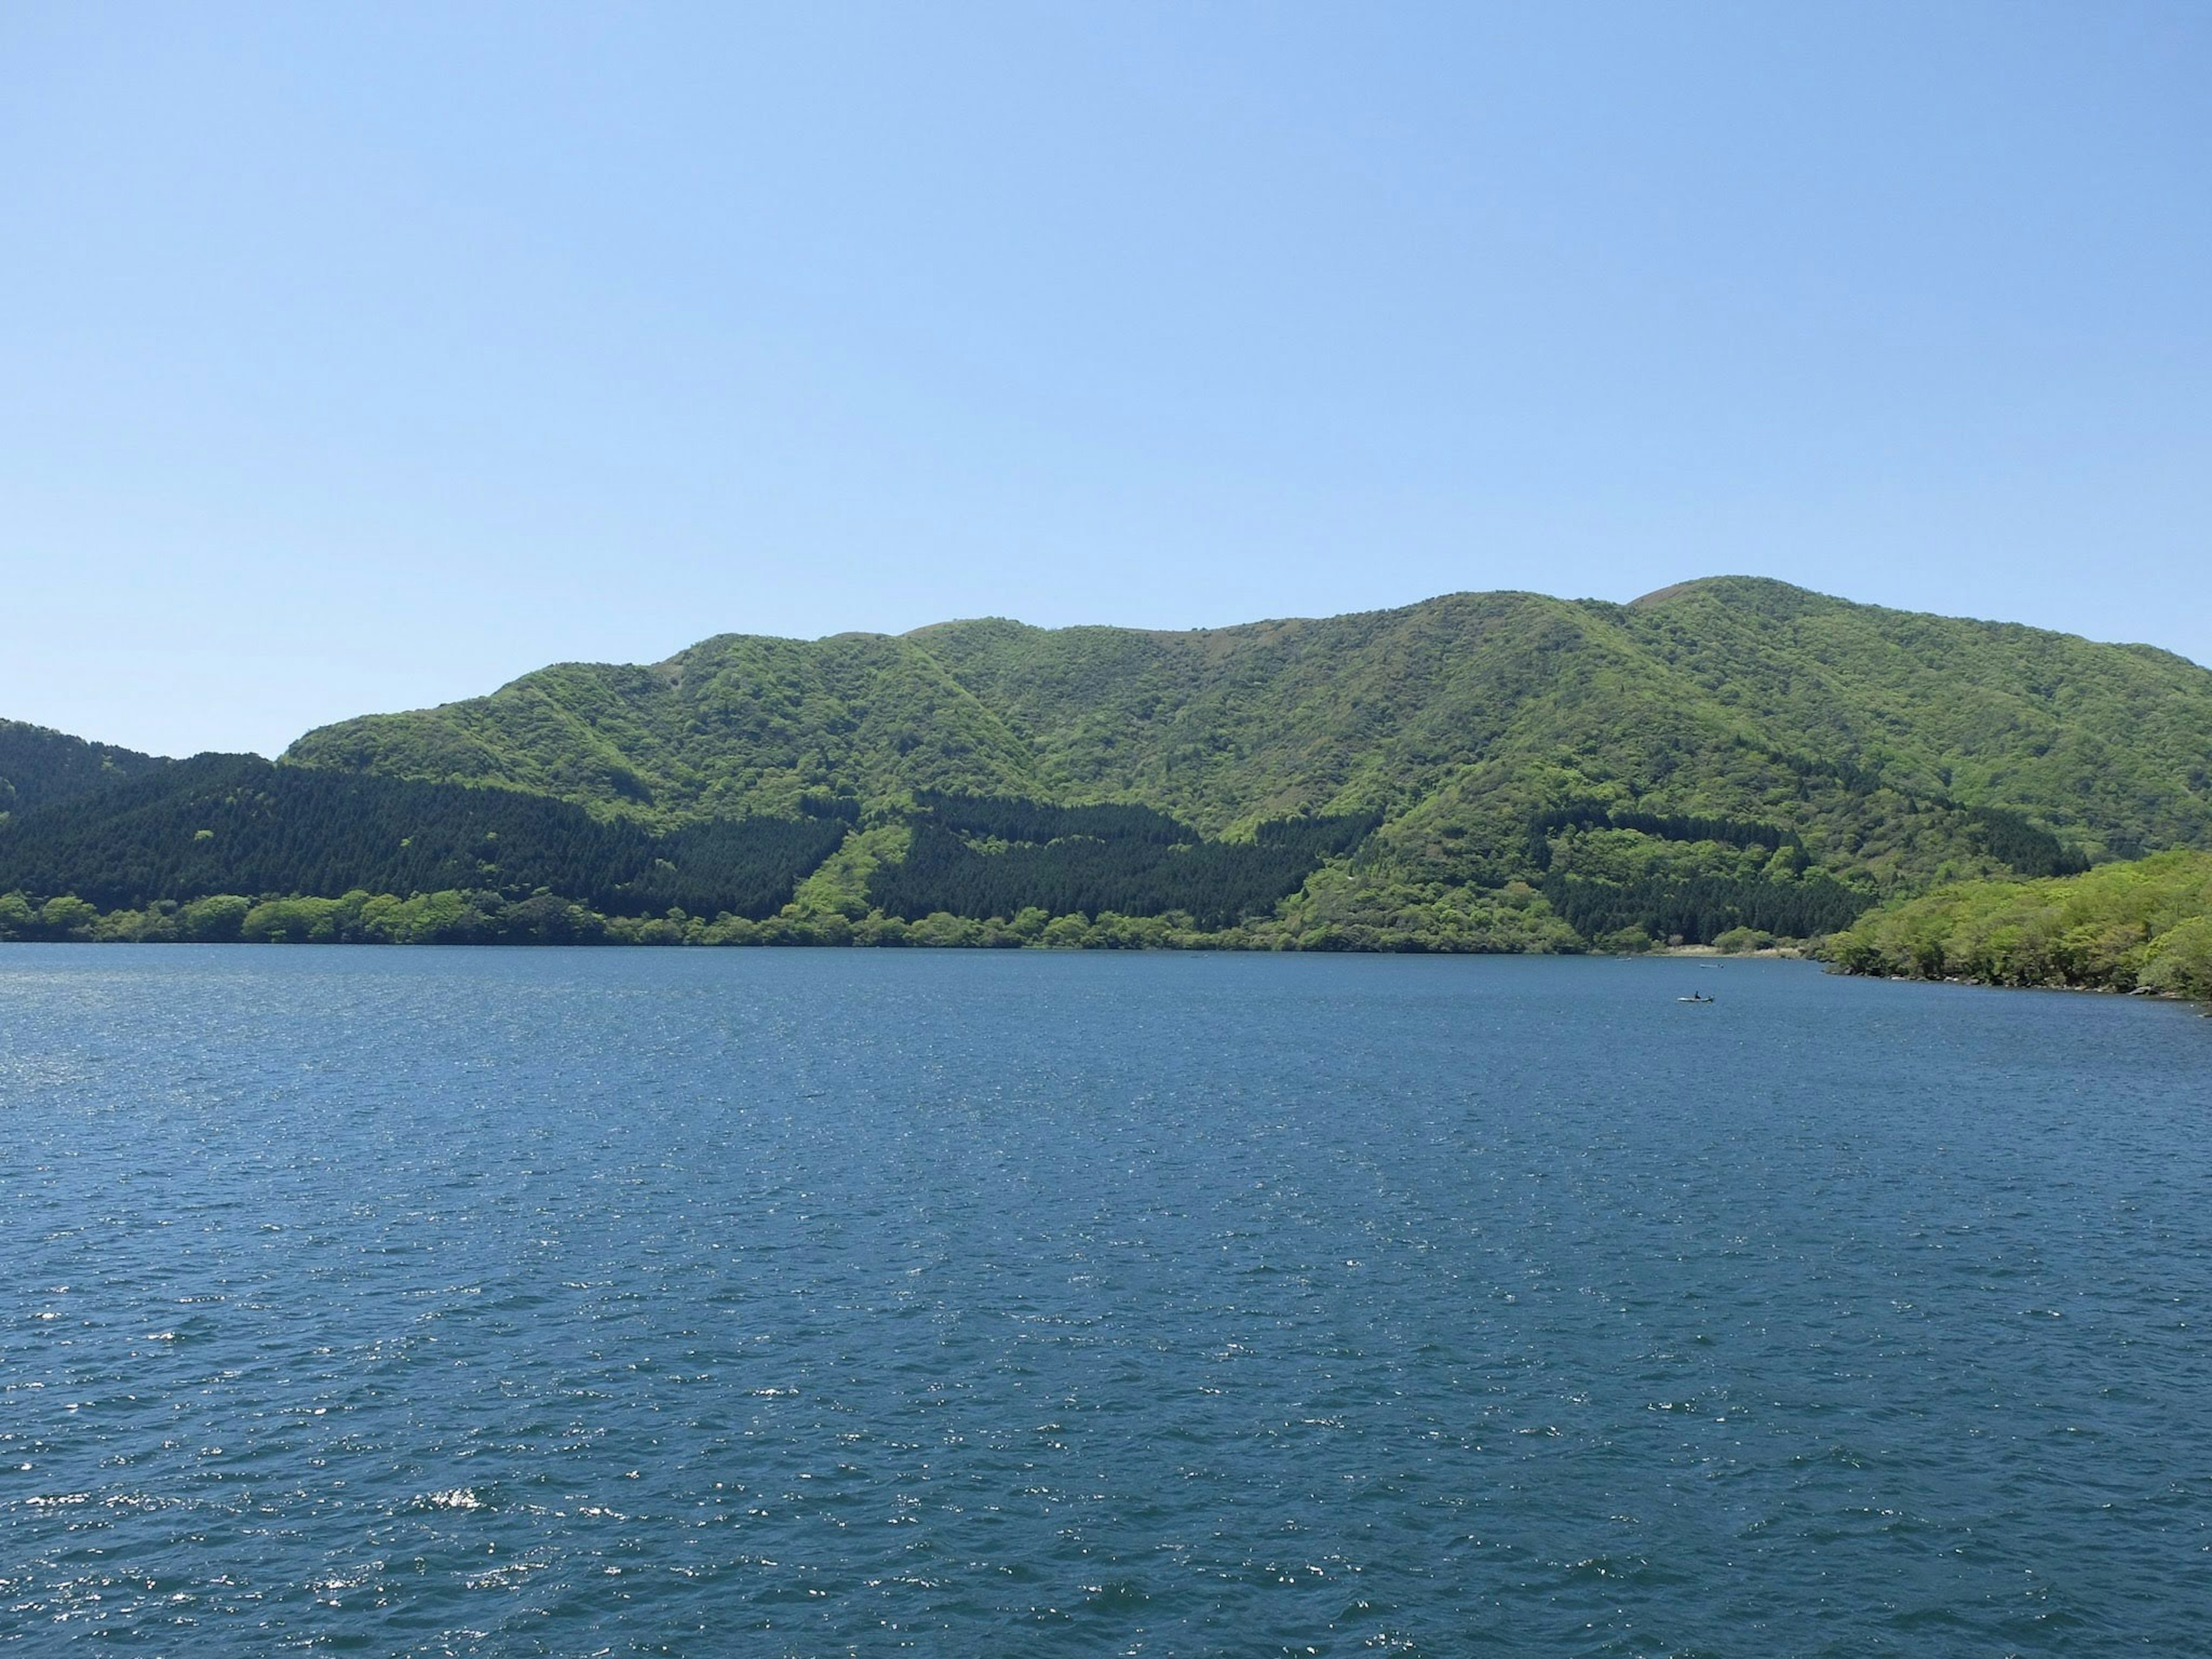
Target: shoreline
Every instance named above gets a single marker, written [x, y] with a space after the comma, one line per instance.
[1713, 952]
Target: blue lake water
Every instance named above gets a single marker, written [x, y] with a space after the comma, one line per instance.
[782, 1302]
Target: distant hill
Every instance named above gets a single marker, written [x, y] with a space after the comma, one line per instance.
[39, 767]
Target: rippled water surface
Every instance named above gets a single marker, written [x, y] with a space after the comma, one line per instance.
[644, 1302]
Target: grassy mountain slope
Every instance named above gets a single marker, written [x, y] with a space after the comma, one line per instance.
[1887, 749]
[40, 767]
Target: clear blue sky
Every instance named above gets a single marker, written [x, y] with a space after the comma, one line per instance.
[360, 358]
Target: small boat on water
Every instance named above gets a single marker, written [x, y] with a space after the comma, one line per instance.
[1697, 996]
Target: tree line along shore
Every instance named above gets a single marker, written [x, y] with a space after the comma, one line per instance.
[2143, 926]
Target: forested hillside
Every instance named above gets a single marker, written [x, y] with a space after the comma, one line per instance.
[733, 725]
[2144, 926]
[1714, 697]
[39, 767]
[238, 825]
[1571, 750]
[1731, 757]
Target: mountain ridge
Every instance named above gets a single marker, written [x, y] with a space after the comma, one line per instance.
[41, 767]
[1378, 709]
[1503, 770]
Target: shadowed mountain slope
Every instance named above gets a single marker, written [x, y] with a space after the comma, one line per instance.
[40, 767]
[239, 824]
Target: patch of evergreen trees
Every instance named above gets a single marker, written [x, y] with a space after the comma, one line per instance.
[39, 767]
[1089, 860]
[2032, 852]
[236, 823]
[1698, 910]
[997, 817]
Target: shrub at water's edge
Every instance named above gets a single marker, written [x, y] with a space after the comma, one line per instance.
[2145, 926]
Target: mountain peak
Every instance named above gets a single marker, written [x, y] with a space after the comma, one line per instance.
[1761, 588]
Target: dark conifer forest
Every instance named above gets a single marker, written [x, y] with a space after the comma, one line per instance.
[40, 767]
[236, 823]
[1089, 860]
[1698, 910]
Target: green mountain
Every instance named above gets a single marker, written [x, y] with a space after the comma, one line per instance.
[40, 767]
[1729, 757]
[1502, 739]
